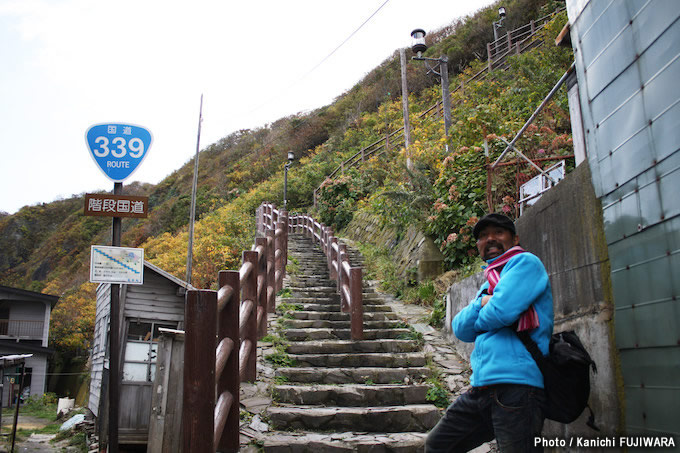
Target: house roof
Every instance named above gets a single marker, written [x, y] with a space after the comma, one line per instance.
[25, 347]
[25, 294]
[169, 276]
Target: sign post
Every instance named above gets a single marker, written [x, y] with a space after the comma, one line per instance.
[117, 149]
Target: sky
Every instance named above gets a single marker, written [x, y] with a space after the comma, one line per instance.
[66, 65]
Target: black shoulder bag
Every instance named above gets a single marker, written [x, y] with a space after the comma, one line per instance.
[566, 375]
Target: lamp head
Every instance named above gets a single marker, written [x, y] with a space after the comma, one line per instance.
[501, 12]
[418, 45]
[291, 156]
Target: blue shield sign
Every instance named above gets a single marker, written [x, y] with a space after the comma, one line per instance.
[117, 148]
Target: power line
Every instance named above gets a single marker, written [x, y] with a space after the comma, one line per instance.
[301, 78]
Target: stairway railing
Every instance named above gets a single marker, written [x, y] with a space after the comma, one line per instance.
[349, 279]
[218, 323]
[514, 42]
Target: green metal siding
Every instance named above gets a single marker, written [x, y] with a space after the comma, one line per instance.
[628, 65]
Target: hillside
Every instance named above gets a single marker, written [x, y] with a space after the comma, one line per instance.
[46, 247]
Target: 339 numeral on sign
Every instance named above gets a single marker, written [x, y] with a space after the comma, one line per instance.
[136, 147]
[118, 149]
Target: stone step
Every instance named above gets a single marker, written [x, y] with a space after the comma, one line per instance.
[370, 316]
[354, 375]
[304, 442]
[349, 346]
[415, 417]
[328, 324]
[335, 308]
[351, 395]
[366, 359]
[342, 334]
[328, 298]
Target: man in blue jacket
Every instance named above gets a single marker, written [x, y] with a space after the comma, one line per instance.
[506, 398]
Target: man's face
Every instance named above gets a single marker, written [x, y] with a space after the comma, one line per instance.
[493, 241]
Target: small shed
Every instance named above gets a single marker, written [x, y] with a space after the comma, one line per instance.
[158, 303]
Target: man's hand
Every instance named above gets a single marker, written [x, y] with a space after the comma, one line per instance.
[485, 299]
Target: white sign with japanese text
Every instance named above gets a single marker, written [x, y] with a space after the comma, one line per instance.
[121, 265]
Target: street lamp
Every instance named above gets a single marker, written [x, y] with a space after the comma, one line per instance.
[419, 46]
[291, 158]
[498, 23]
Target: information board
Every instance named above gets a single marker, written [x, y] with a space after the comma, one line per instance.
[121, 265]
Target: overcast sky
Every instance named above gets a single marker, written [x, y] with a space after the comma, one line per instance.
[68, 64]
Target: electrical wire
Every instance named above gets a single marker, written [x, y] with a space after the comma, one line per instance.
[305, 75]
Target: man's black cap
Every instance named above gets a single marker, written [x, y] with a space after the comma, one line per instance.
[494, 219]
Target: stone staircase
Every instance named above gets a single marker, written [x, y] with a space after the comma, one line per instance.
[342, 395]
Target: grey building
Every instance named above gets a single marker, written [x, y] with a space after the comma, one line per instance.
[24, 329]
[159, 302]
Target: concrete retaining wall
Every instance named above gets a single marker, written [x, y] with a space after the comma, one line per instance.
[564, 228]
[415, 254]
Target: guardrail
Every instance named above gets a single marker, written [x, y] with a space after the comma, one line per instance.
[349, 279]
[221, 332]
[514, 42]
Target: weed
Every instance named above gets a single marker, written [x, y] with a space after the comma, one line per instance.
[293, 266]
[412, 335]
[245, 416]
[280, 380]
[285, 293]
[437, 394]
[280, 358]
[284, 307]
[438, 314]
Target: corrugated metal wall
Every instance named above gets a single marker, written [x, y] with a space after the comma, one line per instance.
[628, 61]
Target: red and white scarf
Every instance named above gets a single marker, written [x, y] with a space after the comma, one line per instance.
[529, 319]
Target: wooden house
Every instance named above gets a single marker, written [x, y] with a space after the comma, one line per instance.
[24, 329]
[146, 308]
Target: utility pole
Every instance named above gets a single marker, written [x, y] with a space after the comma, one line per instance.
[190, 248]
[404, 103]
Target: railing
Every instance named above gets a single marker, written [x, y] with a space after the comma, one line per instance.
[18, 328]
[218, 323]
[517, 41]
[349, 279]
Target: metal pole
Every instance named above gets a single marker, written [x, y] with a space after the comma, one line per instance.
[536, 112]
[190, 248]
[285, 184]
[446, 95]
[404, 102]
[16, 409]
[114, 344]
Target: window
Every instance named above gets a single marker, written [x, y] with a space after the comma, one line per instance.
[141, 350]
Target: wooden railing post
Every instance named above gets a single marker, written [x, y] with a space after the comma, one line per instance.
[198, 400]
[271, 271]
[279, 258]
[249, 293]
[333, 258]
[228, 380]
[357, 307]
[262, 302]
[342, 256]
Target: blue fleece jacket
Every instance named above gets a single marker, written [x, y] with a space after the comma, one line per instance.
[499, 357]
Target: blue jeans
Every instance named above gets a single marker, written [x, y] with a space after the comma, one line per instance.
[510, 413]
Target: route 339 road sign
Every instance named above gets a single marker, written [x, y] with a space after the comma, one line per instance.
[118, 148]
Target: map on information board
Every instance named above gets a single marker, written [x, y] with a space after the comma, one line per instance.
[117, 265]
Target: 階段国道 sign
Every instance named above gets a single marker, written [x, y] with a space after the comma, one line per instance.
[107, 205]
[117, 265]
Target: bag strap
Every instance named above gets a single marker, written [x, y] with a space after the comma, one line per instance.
[531, 346]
